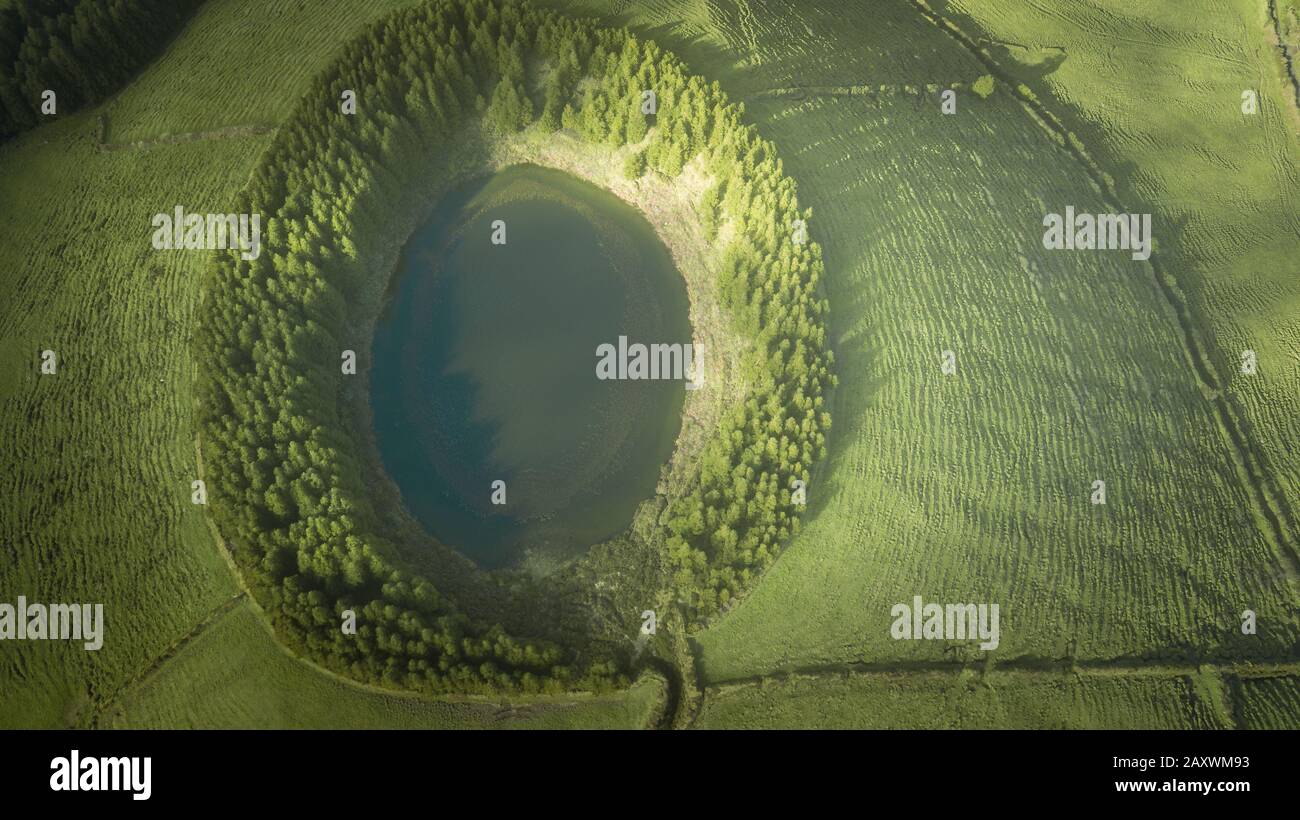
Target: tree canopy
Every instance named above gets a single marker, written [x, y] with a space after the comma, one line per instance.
[82, 50]
[286, 486]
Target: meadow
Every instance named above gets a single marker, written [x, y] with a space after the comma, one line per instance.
[237, 64]
[99, 456]
[1070, 368]
[968, 700]
[969, 487]
[234, 676]
[1164, 111]
[1268, 702]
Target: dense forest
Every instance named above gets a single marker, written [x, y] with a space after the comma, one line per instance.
[82, 50]
[285, 482]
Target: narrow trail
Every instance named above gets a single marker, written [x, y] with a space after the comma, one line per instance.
[101, 706]
[229, 132]
[672, 697]
[1085, 26]
[801, 92]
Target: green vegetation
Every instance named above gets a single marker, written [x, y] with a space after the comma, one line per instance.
[80, 49]
[1228, 182]
[288, 494]
[96, 501]
[1268, 702]
[925, 700]
[233, 676]
[1070, 368]
[239, 64]
[1288, 19]
[972, 487]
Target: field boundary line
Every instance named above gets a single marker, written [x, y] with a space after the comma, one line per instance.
[101, 706]
[864, 90]
[1083, 25]
[1112, 667]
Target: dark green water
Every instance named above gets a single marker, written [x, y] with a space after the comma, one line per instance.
[485, 367]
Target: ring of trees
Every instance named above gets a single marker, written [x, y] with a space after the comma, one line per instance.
[285, 481]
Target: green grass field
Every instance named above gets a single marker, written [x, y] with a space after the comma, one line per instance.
[114, 523]
[976, 486]
[970, 487]
[96, 504]
[924, 700]
[1163, 110]
[233, 676]
[237, 64]
[1268, 703]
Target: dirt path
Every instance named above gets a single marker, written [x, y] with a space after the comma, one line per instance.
[229, 132]
[101, 707]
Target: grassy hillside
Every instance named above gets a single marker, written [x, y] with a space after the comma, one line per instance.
[97, 505]
[1158, 93]
[238, 63]
[1070, 369]
[971, 487]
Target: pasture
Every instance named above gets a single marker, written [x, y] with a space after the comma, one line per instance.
[974, 486]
